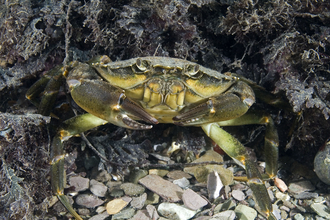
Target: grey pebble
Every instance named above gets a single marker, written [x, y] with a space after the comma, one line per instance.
[98, 188]
[101, 216]
[88, 201]
[138, 202]
[238, 195]
[124, 214]
[183, 182]
[132, 189]
[79, 183]
[228, 215]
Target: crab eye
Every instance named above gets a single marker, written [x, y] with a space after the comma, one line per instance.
[142, 65]
[192, 71]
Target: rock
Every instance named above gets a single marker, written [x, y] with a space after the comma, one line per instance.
[238, 195]
[167, 190]
[98, 188]
[178, 174]
[88, 201]
[280, 184]
[141, 215]
[228, 204]
[192, 200]
[117, 193]
[101, 216]
[124, 214]
[302, 186]
[132, 189]
[136, 175]
[298, 217]
[183, 182]
[158, 172]
[116, 205]
[321, 209]
[152, 212]
[306, 195]
[152, 198]
[103, 176]
[175, 212]
[244, 212]
[79, 183]
[138, 202]
[228, 215]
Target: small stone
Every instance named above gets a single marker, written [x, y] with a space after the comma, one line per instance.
[306, 195]
[158, 172]
[167, 190]
[298, 217]
[229, 204]
[103, 176]
[192, 200]
[321, 209]
[228, 215]
[244, 212]
[203, 218]
[88, 201]
[117, 193]
[152, 212]
[98, 188]
[141, 215]
[116, 205]
[79, 183]
[124, 214]
[138, 202]
[152, 198]
[178, 174]
[84, 212]
[301, 186]
[183, 182]
[101, 216]
[175, 212]
[238, 195]
[132, 189]
[280, 184]
[136, 175]
[282, 196]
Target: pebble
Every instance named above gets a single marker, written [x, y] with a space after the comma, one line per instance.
[244, 212]
[175, 212]
[124, 214]
[306, 195]
[79, 183]
[136, 175]
[152, 212]
[101, 216]
[183, 182]
[167, 190]
[152, 198]
[98, 188]
[178, 174]
[116, 205]
[103, 176]
[302, 186]
[138, 202]
[132, 189]
[228, 215]
[158, 172]
[282, 196]
[238, 195]
[298, 217]
[280, 184]
[214, 185]
[88, 201]
[321, 209]
[193, 200]
[228, 204]
[141, 215]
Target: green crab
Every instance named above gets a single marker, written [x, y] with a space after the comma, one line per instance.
[158, 90]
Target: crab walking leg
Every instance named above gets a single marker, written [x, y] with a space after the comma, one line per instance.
[70, 128]
[237, 151]
[271, 137]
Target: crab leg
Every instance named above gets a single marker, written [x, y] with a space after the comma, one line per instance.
[70, 128]
[238, 152]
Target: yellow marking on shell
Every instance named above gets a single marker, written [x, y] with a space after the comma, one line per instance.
[116, 107]
[212, 110]
[202, 89]
[57, 159]
[241, 159]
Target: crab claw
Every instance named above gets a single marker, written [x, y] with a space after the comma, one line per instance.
[231, 104]
[106, 101]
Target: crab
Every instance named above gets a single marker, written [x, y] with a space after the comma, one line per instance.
[141, 92]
